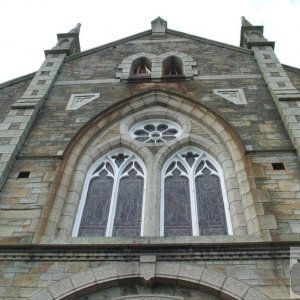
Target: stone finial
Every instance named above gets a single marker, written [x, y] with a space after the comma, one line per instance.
[245, 22]
[67, 42]
[253, 36]
[159, 26]
[76, 29]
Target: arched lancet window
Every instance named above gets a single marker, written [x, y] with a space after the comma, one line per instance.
[112, 202]
[141, 67]
[194, 200]
[172, 66]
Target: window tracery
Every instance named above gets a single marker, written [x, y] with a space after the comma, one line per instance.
[113, 197]
[193, 196]
[155, 131]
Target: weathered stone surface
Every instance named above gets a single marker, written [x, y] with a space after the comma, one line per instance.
[249, 141]
[26, 280]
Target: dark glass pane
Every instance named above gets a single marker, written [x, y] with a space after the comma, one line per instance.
[177, 214]
[95, 213]
[162, 127]
[211, 212]
[200, 166]
[140, 132]
[128, 167]
[138, 167]
[211, 166]
[181, 167]
[109, 168]
[119, 158]
[170, 131]
[129, 206]
[171, 167]
[99, 168]
[149, 127]
[190, 157]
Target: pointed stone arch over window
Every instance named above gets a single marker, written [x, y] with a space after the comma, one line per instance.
[177, 64]
[137, 64]
[194, 200]
[172, 66]
[141, 67]
[112, 202]
[144, 65]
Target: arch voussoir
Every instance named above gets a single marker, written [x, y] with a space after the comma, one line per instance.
[175, 273]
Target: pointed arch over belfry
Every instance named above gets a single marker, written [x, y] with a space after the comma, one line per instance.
[201, 128]
[181, 274]
[156, 64]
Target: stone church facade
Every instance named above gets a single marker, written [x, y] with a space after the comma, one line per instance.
[160, 166]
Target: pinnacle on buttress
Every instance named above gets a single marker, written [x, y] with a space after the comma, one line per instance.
[67, 43]
[76, 29]
[245, 22]
[253, 36]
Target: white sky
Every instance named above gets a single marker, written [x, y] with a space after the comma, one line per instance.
[28, 27]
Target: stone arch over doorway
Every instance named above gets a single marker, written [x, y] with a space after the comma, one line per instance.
[147, 272]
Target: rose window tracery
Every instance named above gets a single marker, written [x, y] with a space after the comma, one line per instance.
[155, 131]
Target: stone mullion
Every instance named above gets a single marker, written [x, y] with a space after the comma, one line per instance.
[152, 200]
[282, 90]
[17, 124]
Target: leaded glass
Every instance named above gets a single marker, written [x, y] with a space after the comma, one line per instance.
[192, 200]
[119, 158]
[190, 157]
[155, 131]
[129, 205]
[95, 214]
[210, 206]
[113, 201]
[177, 213]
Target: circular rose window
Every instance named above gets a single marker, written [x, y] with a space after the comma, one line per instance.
[155, 131]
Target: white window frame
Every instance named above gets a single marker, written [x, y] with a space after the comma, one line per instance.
[117, 177]
[191, 177]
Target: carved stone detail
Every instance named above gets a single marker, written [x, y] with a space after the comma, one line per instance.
[78, 100]
[235, 96]
[147, 266]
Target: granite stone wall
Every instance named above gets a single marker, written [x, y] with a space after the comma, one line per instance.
[225, 108]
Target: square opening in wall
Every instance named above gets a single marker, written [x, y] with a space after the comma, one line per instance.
[278, 166]
[24, 174]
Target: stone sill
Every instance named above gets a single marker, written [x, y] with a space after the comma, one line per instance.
[185, 241]
[152, 242]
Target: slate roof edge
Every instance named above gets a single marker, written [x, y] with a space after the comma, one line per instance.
[291, 68]
[17, 80]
